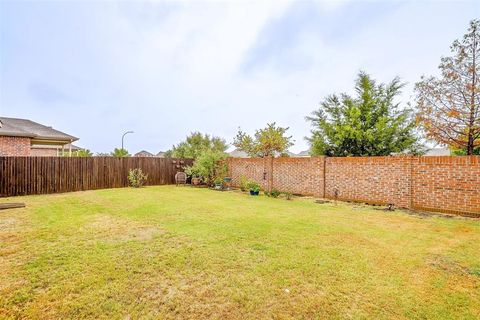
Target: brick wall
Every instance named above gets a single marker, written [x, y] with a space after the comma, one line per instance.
[299, 175]
[376, 180]
[443, 184]
[447, 184]
[251, 168]
[14, 146]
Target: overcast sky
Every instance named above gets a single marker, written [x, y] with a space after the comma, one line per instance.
[164, 69]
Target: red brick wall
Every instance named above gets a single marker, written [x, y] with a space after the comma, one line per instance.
[250, 168]
[444, 184]
[299, 175]
[14, 146]
[376, 180]
[447, 184]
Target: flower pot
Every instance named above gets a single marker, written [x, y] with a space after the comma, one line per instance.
[254, 193]
[218, 186]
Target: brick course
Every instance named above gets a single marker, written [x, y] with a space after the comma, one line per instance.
[14, 146]
[443, 184]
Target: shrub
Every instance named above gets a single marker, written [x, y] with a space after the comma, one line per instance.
[253, 186]
[243, 183]
[218, 180]
[191, 172]
[288, 195]
[209, 165]
[136, 178]
[274, 193]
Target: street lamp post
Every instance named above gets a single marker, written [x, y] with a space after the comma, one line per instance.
[124, 136]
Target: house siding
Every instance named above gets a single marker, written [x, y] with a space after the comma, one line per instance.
[43, 152]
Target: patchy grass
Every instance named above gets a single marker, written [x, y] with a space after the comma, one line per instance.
[178, 252]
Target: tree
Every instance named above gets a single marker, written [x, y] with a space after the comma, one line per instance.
[195, 144]
[369, 124]
[269, 141]
[121, 153]
[208, 165]
[77, 153]
[449, 106]
[83, 153]
[463, 152]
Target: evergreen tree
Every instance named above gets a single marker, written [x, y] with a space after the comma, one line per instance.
[370, 123]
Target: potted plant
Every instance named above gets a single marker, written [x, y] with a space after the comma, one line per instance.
[196, 180]
[193, 173]
[227, 182]
[218, 183]
[254, 188]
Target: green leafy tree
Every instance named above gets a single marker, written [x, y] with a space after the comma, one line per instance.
[196, 144]
[270, 141]
[120, 153]
[463, 152]
[449, 106]
[83, 153]
[370, 123]
[208, 165]
[77, 153]
[168, 154]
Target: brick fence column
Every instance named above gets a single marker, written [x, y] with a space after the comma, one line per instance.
[268, 169]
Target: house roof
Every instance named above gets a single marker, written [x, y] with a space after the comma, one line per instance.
[438, 152]
[15, 127]
[238, 154]
[305, 153]
[143, 153]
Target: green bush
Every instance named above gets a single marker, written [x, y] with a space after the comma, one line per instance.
[136, 178]
[208, 165]
[253, 186]
[243, 183]
[288, 195]
[274, 193]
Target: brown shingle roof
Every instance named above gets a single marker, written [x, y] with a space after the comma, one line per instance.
[26, 128]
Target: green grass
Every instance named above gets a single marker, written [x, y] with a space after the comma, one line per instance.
[169, 253]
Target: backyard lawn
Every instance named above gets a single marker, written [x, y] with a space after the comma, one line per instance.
[178, 252]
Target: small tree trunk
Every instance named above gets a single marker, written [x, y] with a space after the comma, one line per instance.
[470, 144]
[472, 100]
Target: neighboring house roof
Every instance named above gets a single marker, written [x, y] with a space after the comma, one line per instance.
[161, 154]
[143, 153]
[291, 154]
[238, 154]
[305, 153]
[14, 127]
[438, 152]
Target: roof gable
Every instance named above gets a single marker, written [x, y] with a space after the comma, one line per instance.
[26, 128]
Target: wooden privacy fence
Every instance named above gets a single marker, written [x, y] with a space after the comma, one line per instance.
[41, 175]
